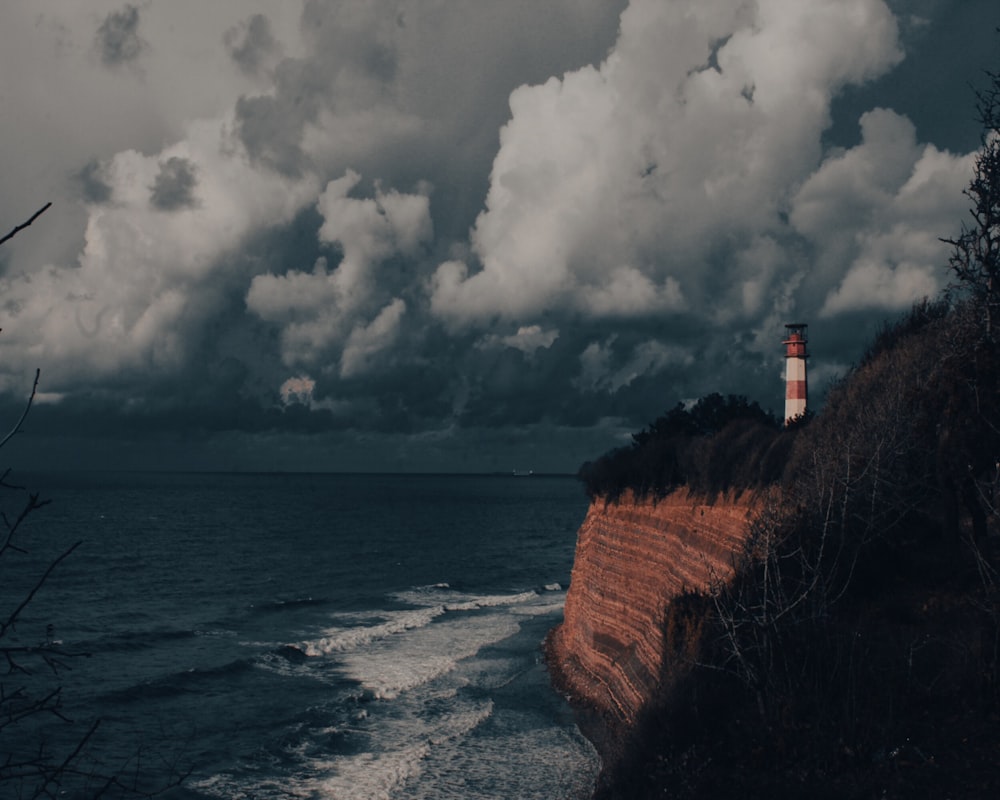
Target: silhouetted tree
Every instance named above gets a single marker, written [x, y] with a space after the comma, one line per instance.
[975, 258]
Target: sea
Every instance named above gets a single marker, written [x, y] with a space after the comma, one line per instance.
[272, 636]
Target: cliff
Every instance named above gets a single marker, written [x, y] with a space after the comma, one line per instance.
[632, 558]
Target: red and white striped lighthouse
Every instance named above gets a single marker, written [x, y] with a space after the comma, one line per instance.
[796, 387]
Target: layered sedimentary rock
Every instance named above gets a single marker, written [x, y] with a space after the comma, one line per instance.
[632, 558]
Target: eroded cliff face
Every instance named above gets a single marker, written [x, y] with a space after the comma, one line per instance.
[632, 558]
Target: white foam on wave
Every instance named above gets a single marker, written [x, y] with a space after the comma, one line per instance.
[406, 744]
[537, 760]
[431, 602]
[278, 665]
[339, 640]
[542, 609]
[419, 661]
[391, 666]
[452, 600]
[370, 776]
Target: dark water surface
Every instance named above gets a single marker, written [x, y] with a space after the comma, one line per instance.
[315, 636]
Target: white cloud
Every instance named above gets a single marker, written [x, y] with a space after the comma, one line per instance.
[673, 188]
[852, 185]
[370, 230]
[365, 342]
[657, 159]
[874, 214]
[527, 339]
[322, 311]
[628, 292]
[145, 278]
[872, 284]
[598, 370]
[297, 390]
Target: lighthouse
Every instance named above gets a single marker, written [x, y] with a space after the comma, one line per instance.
[796, 387]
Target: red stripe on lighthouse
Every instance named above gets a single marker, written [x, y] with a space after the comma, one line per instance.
[795, 390]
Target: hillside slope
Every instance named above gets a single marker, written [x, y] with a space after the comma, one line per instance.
[839, 636]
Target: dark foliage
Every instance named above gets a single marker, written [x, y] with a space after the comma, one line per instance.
[975, 258]
[717, 444]
[922, 314]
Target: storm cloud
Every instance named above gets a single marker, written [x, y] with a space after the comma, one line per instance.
[451, 235]
[174, 185]
[252, 44]
[117, 40]
[94, 183]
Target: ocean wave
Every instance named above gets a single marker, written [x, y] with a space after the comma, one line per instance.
[407, 744]
[277, 606]
[131, 641]
[537, 762]
[369, 628]
[393, 666]
[452, 600]
[340, 640]
[368, 776]
[188, 681]
[540, 609]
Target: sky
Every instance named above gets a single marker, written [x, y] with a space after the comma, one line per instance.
[453, 235]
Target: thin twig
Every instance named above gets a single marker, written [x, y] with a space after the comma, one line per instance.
[27, 408]
[12, 619]
[56, 775]
[24, 225]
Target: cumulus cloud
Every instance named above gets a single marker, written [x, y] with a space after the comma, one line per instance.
[684, 182]
[117, 39]
[325, 310]
[427, 215]
[350, 63]
[372, 229]
[365, 342]
[874, 214]
[877, 285]
[602, 371]
[145, 283]
[632, 188]
[527, 339]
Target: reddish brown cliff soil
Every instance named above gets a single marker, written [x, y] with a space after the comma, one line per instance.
[632, 558]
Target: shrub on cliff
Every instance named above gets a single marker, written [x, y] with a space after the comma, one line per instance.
[716, 444]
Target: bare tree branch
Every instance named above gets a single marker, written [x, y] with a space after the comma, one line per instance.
[27, 408]
[12, 619]
[24, 225]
